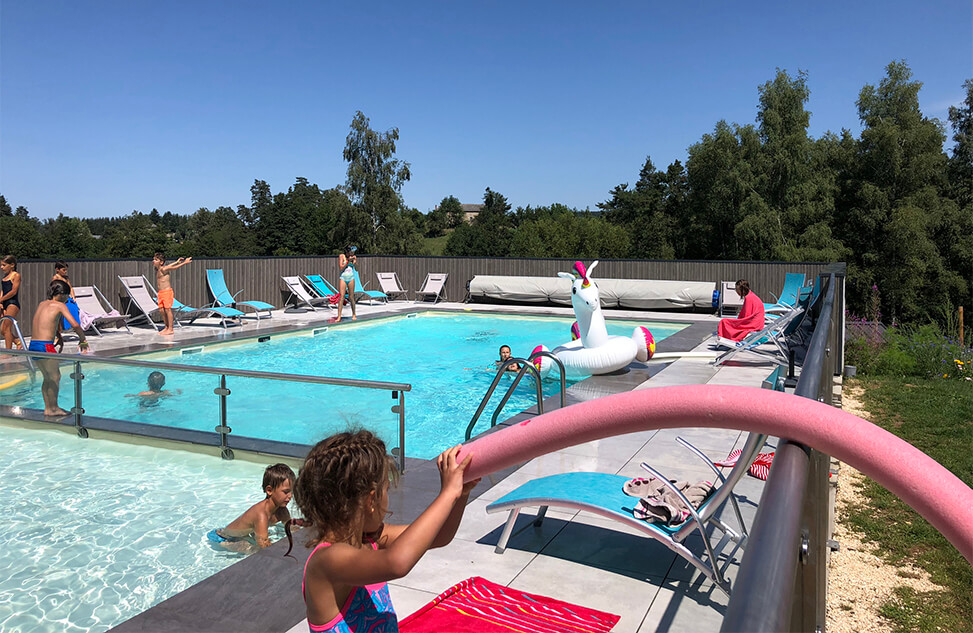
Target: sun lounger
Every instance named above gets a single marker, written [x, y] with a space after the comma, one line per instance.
[603, 494]
[371, 295]
[93, 312]
[433, 287]
[223, 299]
[789, 294]
[391, 285]
[138, 289]
[300, 295]
[320, 286]
[775, 332]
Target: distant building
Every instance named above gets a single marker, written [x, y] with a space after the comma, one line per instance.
[470, 211]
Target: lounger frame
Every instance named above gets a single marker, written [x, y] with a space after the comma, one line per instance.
[715, 558]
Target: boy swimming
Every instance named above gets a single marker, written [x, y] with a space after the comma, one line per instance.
[278, 485]
[155, 391]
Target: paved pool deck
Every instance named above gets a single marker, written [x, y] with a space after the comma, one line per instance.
[573, 556]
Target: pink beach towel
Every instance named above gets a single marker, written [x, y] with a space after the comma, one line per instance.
[476, 605]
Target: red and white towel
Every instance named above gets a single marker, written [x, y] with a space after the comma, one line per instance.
[760, 467]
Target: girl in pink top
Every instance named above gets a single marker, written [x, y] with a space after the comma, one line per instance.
[342, 490]
[750, 319]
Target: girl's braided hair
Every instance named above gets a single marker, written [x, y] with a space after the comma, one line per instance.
[337, 475]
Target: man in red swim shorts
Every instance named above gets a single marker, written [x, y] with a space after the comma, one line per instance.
[165, 295]
[45, 329]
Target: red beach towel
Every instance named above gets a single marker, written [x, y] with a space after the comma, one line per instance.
[476, 605]
[751, 319]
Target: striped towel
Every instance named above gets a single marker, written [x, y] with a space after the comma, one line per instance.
[760, 467]
[477, 605]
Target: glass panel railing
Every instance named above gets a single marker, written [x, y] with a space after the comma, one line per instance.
[263, 411]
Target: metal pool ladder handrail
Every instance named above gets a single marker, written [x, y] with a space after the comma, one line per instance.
[398, 389]
[23, 343]
[525, 366]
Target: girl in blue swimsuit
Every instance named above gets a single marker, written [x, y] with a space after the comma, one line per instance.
[342, 490]
[9, 299]
[346, 281]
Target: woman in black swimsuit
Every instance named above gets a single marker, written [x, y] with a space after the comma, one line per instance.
[8, 297]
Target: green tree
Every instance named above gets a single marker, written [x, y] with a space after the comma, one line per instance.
[136, 236]
[961, 160]
[69, 238]
[645, 213]
[895, 204]
[722, 175]
[375, 178]
[557, 231]
[5, 209]
[451, 206]
[791, 216]
[219, 233]
[490, 233]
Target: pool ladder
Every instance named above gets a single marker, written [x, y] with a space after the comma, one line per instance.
[23, 343]
[526, 365]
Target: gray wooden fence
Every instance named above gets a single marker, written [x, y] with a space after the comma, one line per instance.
[260, 277]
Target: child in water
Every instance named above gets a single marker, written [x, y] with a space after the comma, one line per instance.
[343, 491]
[504, 357]
[278, 485]
[155, 391]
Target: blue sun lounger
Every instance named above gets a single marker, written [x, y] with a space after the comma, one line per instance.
[789, 294]
[371, 294]
[602, 494]
[321, 286]
[223, 299]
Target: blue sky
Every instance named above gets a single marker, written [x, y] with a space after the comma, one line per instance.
[111, 106]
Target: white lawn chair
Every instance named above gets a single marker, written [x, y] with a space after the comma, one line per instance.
[301, 296]
[138, 289]
[391, 285]
[434, 286]
[93, 313]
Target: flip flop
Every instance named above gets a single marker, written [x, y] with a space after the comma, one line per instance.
[641, 487]
[731, 459]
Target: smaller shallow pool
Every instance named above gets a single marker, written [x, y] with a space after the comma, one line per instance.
[98, 531]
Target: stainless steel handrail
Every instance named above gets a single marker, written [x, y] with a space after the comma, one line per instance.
[526, 365]
[520, 374]
[781, 540]
[23, 343]
[398, 389]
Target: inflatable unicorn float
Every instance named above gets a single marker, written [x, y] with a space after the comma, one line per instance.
[592, 350]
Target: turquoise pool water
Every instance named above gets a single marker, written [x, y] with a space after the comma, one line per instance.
[96, 531]
[446, 357]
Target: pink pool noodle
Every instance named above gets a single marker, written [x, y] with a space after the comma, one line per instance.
[921, 482]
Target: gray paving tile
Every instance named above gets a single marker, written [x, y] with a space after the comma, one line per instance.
[441, 568]
[682, 606]
[626, 595]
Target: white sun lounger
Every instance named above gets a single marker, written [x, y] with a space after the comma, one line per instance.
[92, 303]
[434, 286]
[391, 285]
[138, 289]
[301, 296]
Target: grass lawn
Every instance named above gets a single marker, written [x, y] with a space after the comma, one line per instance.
[435, 245]
[935, 416]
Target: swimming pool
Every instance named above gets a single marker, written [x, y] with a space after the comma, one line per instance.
[446, 357]
[98, 531]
